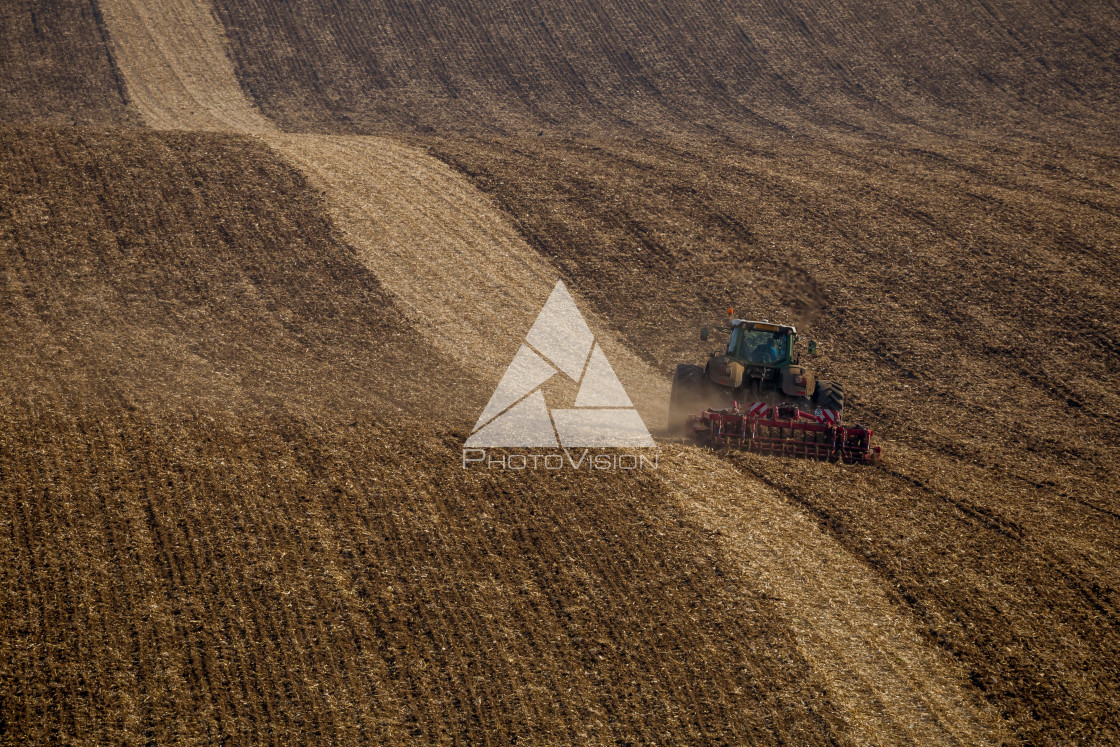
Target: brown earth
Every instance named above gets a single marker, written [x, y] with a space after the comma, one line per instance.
[57, 69]
[968, 302]
[210, 528]
[613, 67]
[214, 525]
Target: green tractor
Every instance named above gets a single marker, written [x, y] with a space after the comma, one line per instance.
[759, 364]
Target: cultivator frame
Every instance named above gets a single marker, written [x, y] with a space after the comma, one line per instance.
[784, 430]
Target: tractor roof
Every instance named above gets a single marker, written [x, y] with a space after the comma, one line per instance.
[764, 325]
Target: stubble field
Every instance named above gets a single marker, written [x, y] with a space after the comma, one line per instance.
[264, 264]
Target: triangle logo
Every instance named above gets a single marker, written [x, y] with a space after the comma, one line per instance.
[559, 342]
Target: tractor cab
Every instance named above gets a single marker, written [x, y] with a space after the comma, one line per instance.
[759, 360]
[761, 343]
[758, 344]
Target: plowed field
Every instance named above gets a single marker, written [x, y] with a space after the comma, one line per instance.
[248, 321]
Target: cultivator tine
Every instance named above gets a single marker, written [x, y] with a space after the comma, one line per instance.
[783, 430]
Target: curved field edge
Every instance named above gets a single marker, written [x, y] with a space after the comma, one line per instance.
[1075, 554]
[382, 196]
[58, 69]
[211, 529]
[992, 389]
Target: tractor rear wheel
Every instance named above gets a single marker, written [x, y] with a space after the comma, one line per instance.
[686, 397]
[829, 396]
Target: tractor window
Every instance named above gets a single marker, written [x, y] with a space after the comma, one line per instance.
[762, 347]
[733, 343]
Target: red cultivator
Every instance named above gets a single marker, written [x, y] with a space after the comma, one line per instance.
[785, 430]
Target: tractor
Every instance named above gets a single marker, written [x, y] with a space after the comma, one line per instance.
[755, 395]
